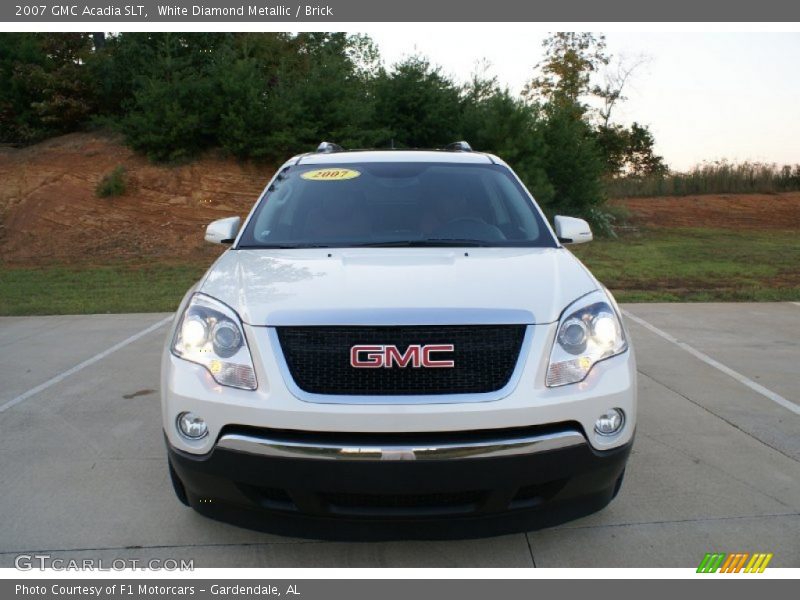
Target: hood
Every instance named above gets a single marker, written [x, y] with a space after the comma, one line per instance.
[398, 286]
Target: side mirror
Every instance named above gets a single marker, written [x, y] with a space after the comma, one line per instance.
[570, 230]
[223, 231]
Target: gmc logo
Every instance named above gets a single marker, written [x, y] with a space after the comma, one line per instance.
[416, 356]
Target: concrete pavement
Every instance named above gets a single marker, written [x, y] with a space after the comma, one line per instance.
[715, 467]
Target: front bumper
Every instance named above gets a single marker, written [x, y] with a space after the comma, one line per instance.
[387, 486]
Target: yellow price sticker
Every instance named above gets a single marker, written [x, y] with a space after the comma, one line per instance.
[330, 174]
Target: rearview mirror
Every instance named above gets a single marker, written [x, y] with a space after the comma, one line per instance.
[223, 231]
[570, 230]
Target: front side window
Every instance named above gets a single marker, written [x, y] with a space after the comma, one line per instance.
[395, 204]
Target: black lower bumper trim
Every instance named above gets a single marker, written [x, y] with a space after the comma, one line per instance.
[441, 499]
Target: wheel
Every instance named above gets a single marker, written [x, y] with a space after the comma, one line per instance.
[177, 485]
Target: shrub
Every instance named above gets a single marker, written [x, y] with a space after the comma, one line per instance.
[112, 184]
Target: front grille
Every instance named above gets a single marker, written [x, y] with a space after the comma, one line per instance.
[484, 358]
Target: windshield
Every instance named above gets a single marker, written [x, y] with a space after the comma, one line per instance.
[395, 204]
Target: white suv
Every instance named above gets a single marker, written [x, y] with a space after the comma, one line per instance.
[396, 344]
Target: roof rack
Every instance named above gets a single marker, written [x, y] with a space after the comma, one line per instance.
[459, 147]
[328, 148]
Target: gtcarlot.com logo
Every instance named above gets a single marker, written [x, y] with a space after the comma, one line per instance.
[736, 562]
[29, 562]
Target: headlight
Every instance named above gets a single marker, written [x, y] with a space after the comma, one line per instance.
[210, 334]
[588, 332]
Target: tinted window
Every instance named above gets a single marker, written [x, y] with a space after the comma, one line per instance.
[395, 204]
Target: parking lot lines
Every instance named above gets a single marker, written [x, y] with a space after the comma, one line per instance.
[756, 387]
[80, 366]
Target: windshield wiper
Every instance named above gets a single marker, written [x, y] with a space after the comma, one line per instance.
[283, 246]
[431, 242]
[426, 243]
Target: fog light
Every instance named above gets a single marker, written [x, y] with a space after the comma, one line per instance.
[192, 426]
[610, 422]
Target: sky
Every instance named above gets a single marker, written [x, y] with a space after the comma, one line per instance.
[705, 96]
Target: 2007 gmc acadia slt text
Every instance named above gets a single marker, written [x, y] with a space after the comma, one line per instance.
[397, 345]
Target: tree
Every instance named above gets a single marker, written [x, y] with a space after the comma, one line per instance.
[629, 151]
[67, 99]
[322, 92]
[18, 120]
[564, 76]
[44, 87]
[567, 77]
[417, 104]
[574, 163]
[641, 157]
[175, 106]
[245, 120]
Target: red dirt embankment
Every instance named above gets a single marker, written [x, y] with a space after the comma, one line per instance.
[723, 211]
[49, 211]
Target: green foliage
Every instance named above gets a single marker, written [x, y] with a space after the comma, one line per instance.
[322, 92]
[112, 184]
[574, 165]
[417, 104]
[245, 119]
[629, 151]
[166, 122]
[174, 111]
[18, 122]
[44, 87]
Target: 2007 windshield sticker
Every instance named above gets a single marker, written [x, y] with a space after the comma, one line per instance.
[330, 174]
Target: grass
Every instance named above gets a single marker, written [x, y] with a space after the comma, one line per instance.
[658, 265]
[711, 178]
[697, 265]
[118, 288]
